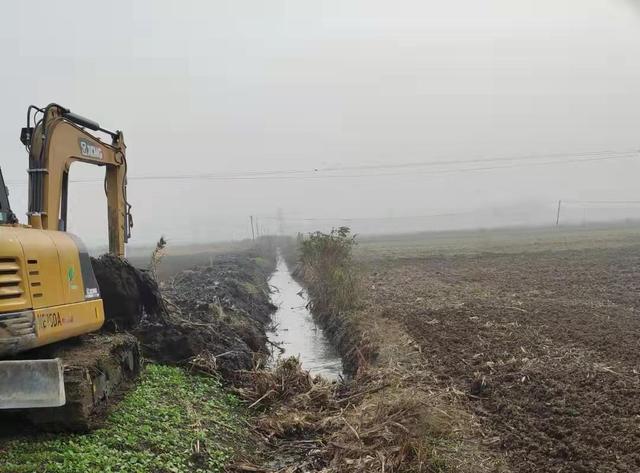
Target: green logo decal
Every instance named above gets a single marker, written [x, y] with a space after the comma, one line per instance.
[71, 273]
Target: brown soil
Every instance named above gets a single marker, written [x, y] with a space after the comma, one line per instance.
[543, 347]
[216, 315]
[128, 294]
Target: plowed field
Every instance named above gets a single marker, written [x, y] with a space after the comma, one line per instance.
[541, 340]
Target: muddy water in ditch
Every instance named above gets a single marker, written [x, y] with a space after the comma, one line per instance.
[294, 329]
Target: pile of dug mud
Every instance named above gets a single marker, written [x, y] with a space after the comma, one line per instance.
[213, 317]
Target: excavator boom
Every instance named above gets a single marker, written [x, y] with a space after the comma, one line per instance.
[59, 139]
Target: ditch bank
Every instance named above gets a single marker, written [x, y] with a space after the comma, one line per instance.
[347, 336]
[213, 317]
[385, 418]
[218, 315]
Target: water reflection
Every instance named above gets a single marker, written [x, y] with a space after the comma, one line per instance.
[295, 330]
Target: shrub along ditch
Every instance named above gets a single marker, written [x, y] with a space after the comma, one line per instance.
[325, 267]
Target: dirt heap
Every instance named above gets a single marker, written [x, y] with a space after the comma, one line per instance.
[213, 317]
[237, 283]
[219, 312]
[128, 294]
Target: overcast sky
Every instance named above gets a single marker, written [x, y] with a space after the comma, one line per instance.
[234, 87]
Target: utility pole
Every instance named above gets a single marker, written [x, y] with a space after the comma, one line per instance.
[253, 232]
[558, 215]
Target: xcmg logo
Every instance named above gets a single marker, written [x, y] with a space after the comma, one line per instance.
[89, 150]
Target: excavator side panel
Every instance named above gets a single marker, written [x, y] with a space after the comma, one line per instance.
[14, 286]
[54, 286]
[21, 331]
[58, 323]
[68, 267]
[39, 266]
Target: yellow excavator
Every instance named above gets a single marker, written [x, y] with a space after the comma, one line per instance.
[48, 290]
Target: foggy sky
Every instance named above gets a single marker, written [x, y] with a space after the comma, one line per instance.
[215, 87]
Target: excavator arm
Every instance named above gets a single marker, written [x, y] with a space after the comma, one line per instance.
[59, 139]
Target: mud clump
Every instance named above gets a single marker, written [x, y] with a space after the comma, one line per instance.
[213, 317]
[128, 294]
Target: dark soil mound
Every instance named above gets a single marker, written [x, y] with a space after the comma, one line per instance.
[128, 294]
[220, 310]
[237, 283]
[218, 313]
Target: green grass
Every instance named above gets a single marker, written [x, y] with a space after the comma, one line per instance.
[498, 240]
[263, 263]
[171, 422]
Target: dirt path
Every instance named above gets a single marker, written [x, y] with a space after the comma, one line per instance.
[545, 346]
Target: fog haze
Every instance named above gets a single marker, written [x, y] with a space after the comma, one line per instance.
[326, 101]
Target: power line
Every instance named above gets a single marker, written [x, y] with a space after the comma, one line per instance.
[332, 172]
[352, 219]
[273, 175]
[601, 202]
[484, 160]
[487, 168]
[280, 173]
[434, 215]
[358, 176]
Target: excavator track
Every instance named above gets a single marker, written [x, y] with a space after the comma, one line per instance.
[97, 369]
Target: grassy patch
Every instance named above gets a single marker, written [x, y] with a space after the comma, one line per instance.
[171, 422]
[263, 263]
[250, 288]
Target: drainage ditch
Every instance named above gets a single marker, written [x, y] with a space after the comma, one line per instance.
[294, 331]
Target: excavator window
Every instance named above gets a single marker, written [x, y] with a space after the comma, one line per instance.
[64, 199]
[6, 215]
